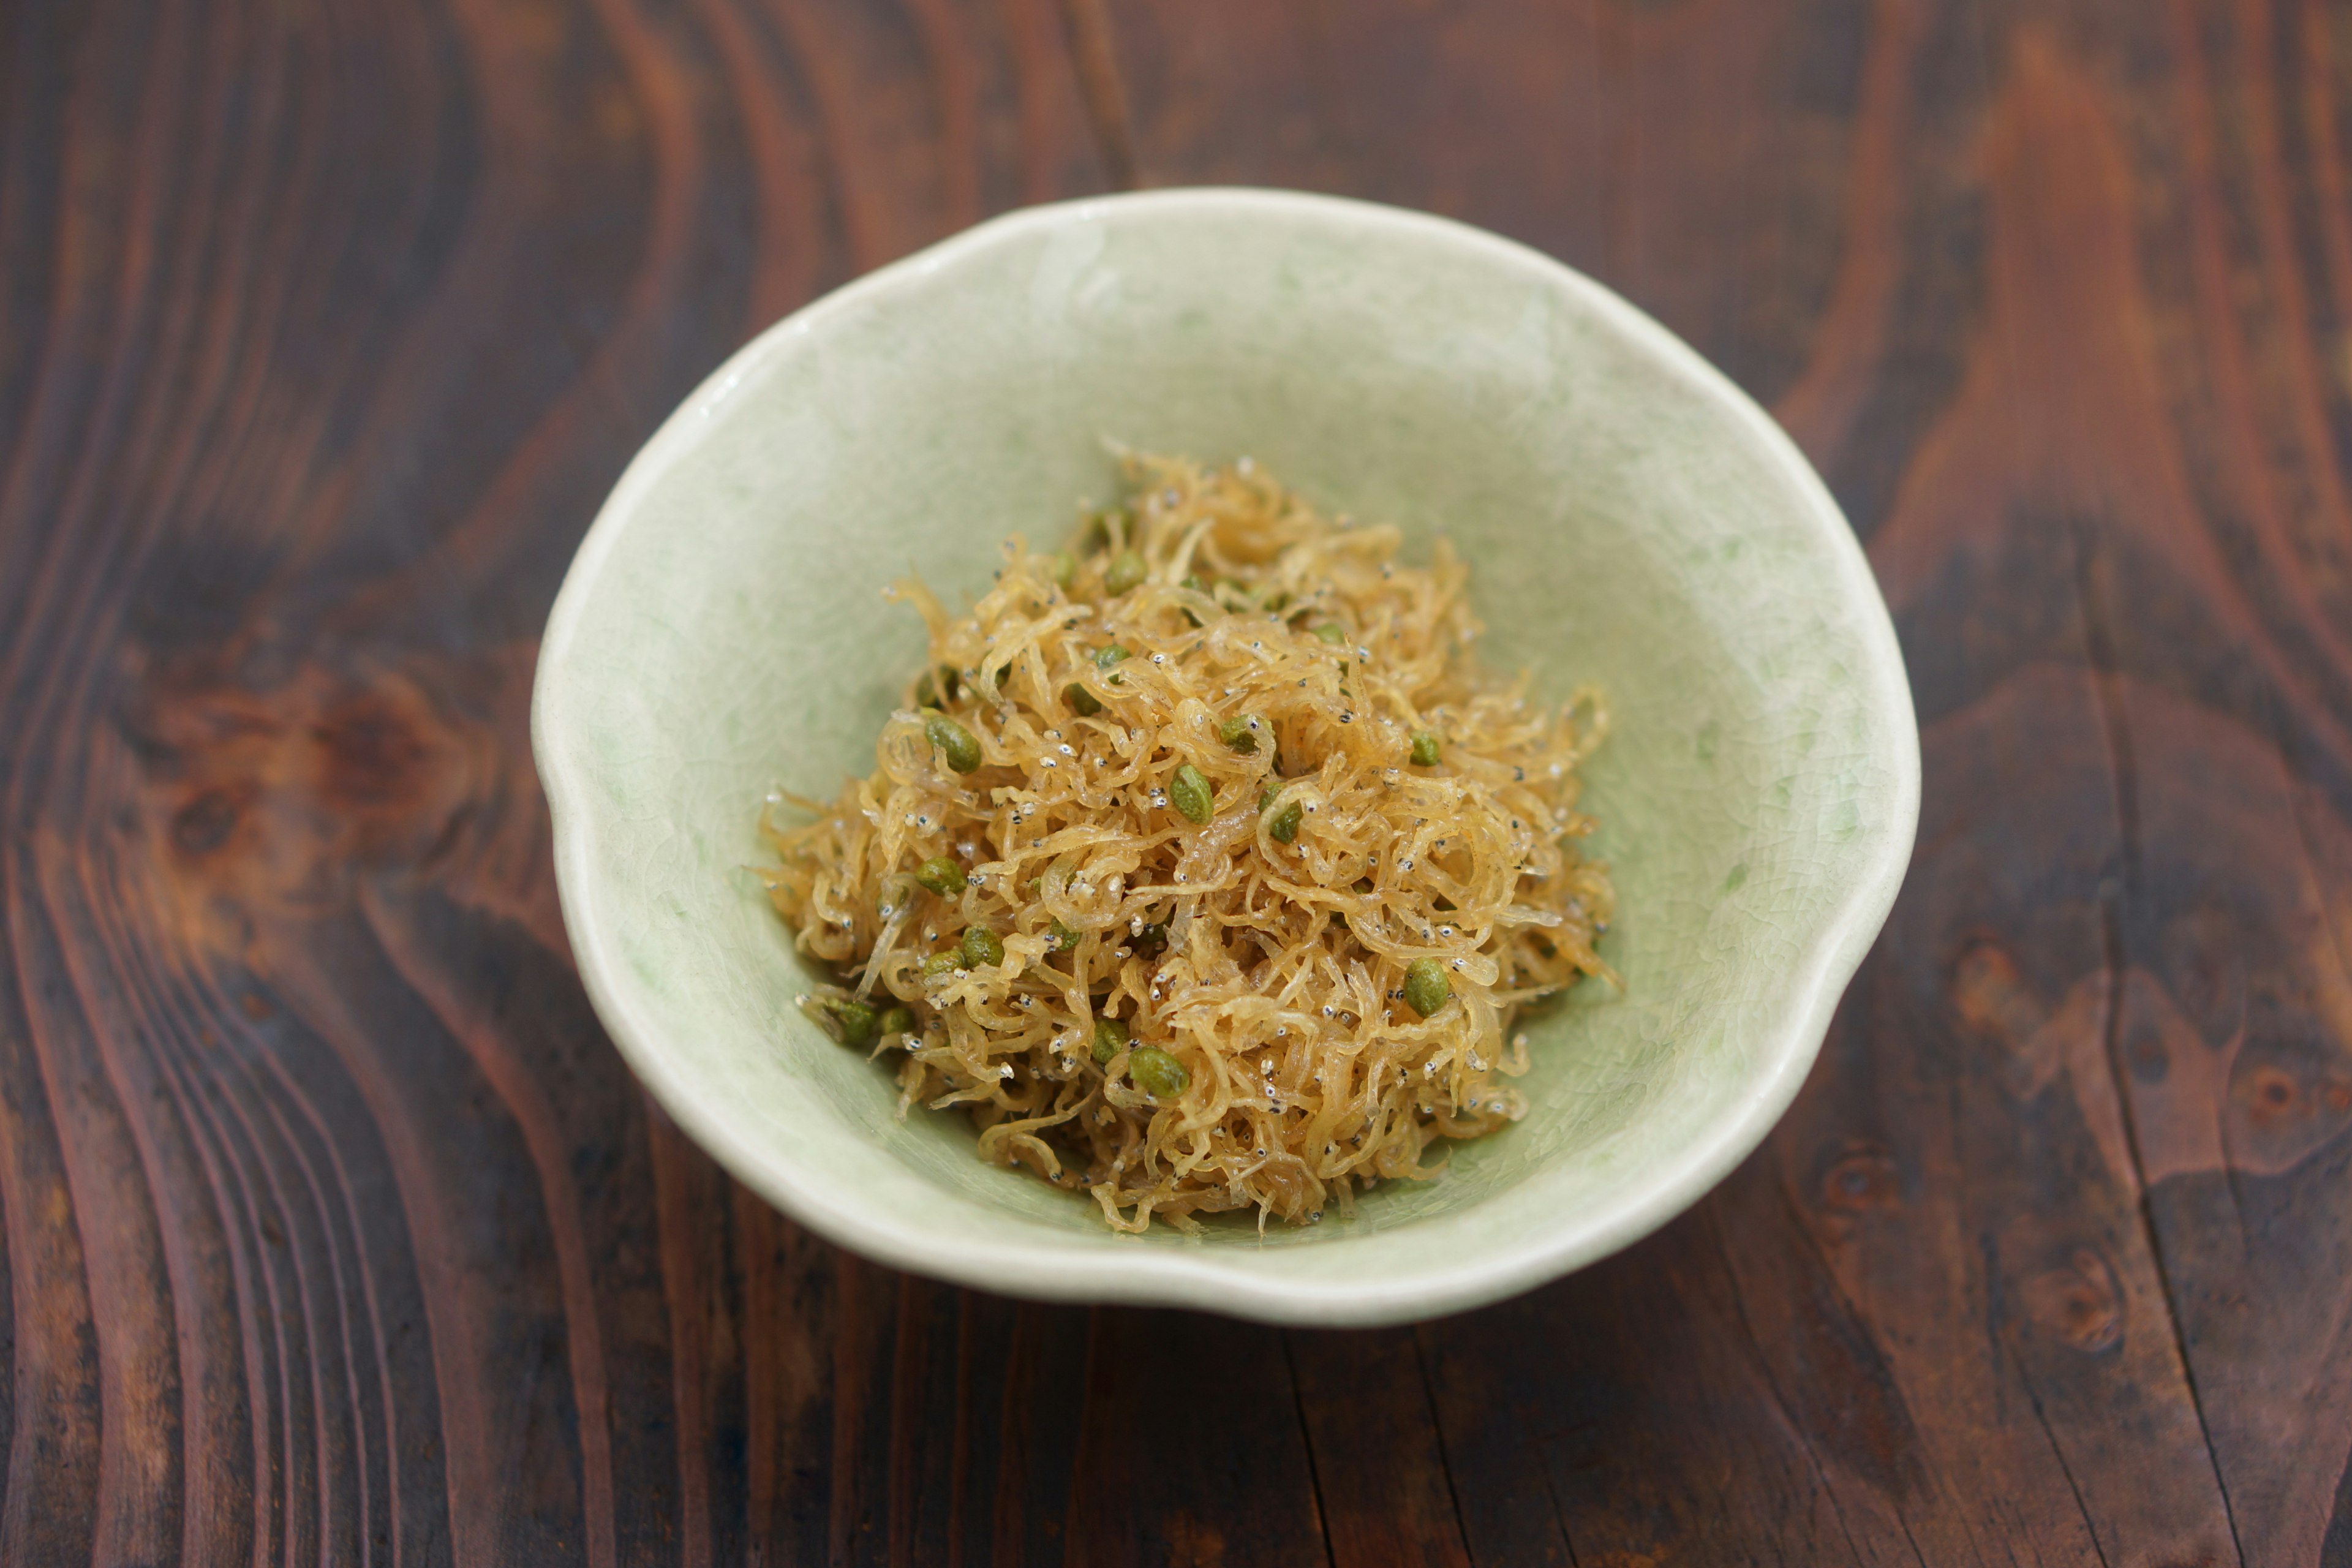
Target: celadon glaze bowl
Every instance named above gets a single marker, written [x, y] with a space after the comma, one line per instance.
[1630, 518]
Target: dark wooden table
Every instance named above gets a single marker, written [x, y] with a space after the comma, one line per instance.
[335, 1230]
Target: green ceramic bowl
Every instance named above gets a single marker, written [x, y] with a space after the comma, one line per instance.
[1630, 518]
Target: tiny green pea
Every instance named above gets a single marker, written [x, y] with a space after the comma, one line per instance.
[1064, 568]
[954, 742]
[941, 963]
[1157, 1073]
[1332, 634]
[1424, 748]
[1064, 937]
[1190, 794]
[846, 1019]
[937, 685]
[942, 876]
[1197, 586]
[982, 946]
[1111, 1035]
[1106, 656]
[1240, 732]
[1126, 572]
[1082, 701]
[1283, 825]
[1425, 987]
[898, 1020]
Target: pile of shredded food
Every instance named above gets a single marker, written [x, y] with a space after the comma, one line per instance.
[1201, 864]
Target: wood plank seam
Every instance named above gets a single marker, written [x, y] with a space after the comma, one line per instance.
[1780, 1401]
[1306, 1439]
[1446, 1458]
[1095, 58]
[2099, 647]
[2057, 1451]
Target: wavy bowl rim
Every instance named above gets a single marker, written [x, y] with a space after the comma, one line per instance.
[1196, 1278]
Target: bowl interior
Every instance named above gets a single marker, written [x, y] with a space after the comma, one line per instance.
[1628, 517]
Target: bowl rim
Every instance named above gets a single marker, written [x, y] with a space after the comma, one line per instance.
[1193, 1277]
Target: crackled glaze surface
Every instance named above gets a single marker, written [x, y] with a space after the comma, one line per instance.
[1629, 518]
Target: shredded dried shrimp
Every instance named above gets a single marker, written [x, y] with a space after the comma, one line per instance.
[1201, 865]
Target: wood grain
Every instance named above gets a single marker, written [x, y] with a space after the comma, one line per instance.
[334, 1230]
